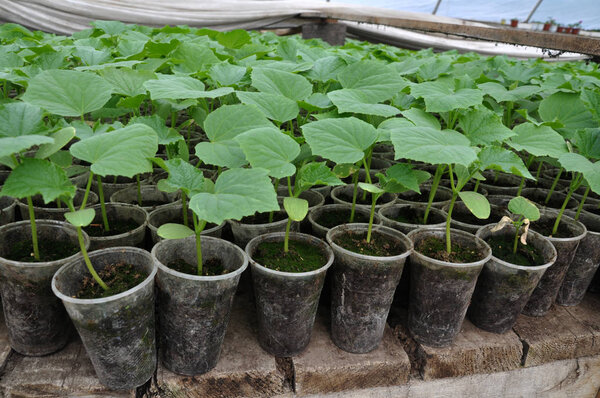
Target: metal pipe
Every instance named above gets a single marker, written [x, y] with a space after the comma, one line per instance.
[437, 5]
[535, 7]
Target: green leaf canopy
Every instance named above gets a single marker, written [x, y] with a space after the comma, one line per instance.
[270, 149]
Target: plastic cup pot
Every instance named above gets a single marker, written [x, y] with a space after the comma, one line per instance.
[463, 219]
[584, 264]
[497, 183]
[571, 234]
[173, 214]
[402, 217]
[440, 291]
[51, 211]
[342, 194]
[323, 218]
[36, 320]
[503, 288]
[538, 195]
[363, 287]
[123, 212]
[286, 302]
[7, 210]
[152, 197]
[117, 331]
[194, 310]
[443, 196]
[110, 184]
[249, 228]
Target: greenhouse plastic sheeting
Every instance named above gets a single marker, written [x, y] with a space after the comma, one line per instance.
[68, 16]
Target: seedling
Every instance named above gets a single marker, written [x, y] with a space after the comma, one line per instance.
[525, 212]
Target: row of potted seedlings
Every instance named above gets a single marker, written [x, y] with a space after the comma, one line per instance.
[108, 293]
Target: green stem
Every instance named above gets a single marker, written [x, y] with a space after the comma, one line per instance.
[286, 242]
[521, 185]
[87, 191]
[87, 261]
[289, 183]
[517, 224]
[476, 186]
[539, 171]
[434, 186]
[574, 185]
[509, 107]
[453, 117]
[551, 191]
[173, 116]
[102, 204]
[367, 166]
[139, 190]
[354, 194]
[450, 208]
[371, 217]
[34, 236]
[198, 228]
[184, 208]
[580, 207]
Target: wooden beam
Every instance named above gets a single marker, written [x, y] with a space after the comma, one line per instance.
[547, 40]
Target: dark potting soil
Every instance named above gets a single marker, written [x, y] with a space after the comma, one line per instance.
[117, 226]
[380, 245]
[409, 216]
[49, 251]
[119, 180]
[555, 202]
[119, 277]
[301, 257]
[593, 210]
[179, 220]
[545, 226]
[436, 248]
[263, 218]
[468, 218]
[151, 203]
[526, 255]
[424, 197]
[210, 267]
[500, 182]
[359, 198]
[334, 218]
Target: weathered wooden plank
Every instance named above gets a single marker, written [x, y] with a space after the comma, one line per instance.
[474, 351]
[555, 41]
[244, 369]
[325, 368]
[563, 333]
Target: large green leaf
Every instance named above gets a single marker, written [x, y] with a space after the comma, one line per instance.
[498, 158]
[538, 140]
[229, 121]
[233, 39]
[166, 135]
[588, 143]
[128, 82]
[274, 106]
[342, 140]
[498, 92]
[182, 176]
[225, 153]
[568, 109]
[192, 57]
[68, 92]
[275, 81]
[326, 68]
[574, 162]
[20, 118]
[226, 74]
[37, 176]
[421, 118]
[123, 152]
[11, 145]
[402, 177]
[61, 138]
[270, 149]
[356, 101]
[476, 203]
[483, 127]
[237, 193]
[433, 146]
[376, 80]
[296, 208]
[316, 173]
[440, 97]
[182, 87]
[524, 207]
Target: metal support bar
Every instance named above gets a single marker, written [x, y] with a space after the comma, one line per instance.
[535, 7]
[437, 5]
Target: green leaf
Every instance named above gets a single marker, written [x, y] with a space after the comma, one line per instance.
[61, 138]
[90, 56]
[296, 208]
[498, 92]
[538, 140]
[11, 145]
[372, 188]
[166, 135]
[123, 152]
[182, 176]
[483, 127]
[288, 84]
[81, 218]
[274, 106]
[192, 57]
[568, 109]
[498, 158]
[420, 118]
[326, 68]
[128, 82]
[270, 149]
[433, 146]
[588, 143]
[344, 170]
[37, 176]
[356, 101]
[226, 74]
[228, 121]
[524, 207]
[402, 177]
[174, 231]
[20, 118]
[476, 203]
[221, 153]
[376, 80]
[68, 92]
[341, 140]
[316, 173]
[439, 97]
[182, 87]
[237, 193]
[233, 39]
[316, 102]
